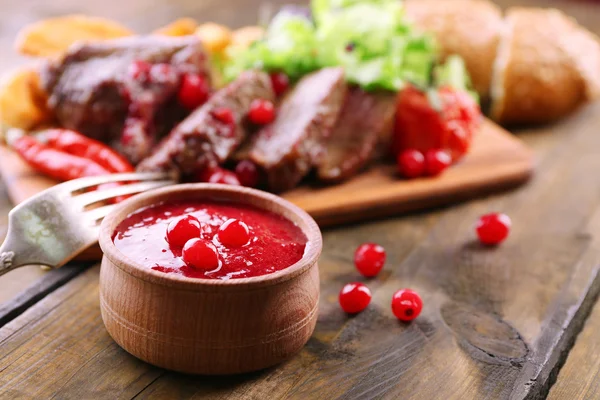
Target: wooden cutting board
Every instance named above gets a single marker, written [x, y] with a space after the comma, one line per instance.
[497, 160]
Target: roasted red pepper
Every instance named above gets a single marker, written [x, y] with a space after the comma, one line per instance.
[443, 118]
[76, 144]
[55, 163]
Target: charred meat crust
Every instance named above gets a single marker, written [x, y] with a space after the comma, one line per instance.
[202, 140]
[292, 145]
[365, 119]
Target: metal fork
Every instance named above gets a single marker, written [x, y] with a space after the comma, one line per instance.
[55, 225]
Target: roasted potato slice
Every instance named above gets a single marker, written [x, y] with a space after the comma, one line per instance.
[53, 36]
[22, 100]
[215, 37]
[247, 35]
[180, 27]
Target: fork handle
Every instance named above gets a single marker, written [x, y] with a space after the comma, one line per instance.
[15, 254]
[6, 261]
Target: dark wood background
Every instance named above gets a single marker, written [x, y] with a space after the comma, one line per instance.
[496, 323]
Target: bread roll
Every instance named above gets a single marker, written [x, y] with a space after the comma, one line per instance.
[469, 28]
[546, 66]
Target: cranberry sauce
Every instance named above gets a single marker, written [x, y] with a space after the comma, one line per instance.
[275, 243]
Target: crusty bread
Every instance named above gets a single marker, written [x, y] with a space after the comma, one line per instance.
[537, 76]
[469, 28]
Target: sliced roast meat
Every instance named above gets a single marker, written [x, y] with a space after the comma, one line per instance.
[96, 87]
[214, 131]
[365, 119]
[287, 149]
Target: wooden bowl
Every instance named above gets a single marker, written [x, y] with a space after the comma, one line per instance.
[206, 326]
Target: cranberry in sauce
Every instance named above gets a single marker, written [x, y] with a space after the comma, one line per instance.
[274, 242]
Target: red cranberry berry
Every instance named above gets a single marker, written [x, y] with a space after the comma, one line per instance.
[224, 115]
[354, 297]
[220, 175]
[280, 82]
[436, 161]
[193, 92]
[139, 70]
[247, 173]
[234, 233]
[183, 229]
[200, 254]
[369, 259]
[406, 305]
[261, 112]
[493, 228]
[411, 163]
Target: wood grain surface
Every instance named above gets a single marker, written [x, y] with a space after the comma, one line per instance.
[497, 160]
[496, 323]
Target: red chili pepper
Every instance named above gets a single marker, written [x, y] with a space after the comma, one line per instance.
[55, 163]
[82, 146]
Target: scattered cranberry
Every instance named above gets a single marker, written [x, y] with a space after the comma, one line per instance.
[369, 259]
[493, 228]
[436, 161]
[224, 115]
[193, 92]
[183, 229]
[234, 233]
[406, 305]
[200, 254]
[354, 297]
[247, 173]
[139, 70]
[261, 112]
[411, 163]
[220, 175]
[280, 82]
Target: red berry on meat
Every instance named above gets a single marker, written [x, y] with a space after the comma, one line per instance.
[234, 233]
[406, 305]
[436, 161]
[224, 115]
[193, 92]
[261, 112]
[354, 297]
[139, 70]
[369, 259]
[247, 173]
[200, 254]
[280, 82]
[411, 163]
[183, 229]
[493, 228]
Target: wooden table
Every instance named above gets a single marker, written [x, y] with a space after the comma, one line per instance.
[496, 323]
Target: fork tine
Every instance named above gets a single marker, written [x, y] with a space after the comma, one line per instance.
[99, 213]
[84, 183]
[89, 198]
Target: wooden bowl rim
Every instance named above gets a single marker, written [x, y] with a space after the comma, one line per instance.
[215, 192]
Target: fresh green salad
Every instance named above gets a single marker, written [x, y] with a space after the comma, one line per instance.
[371, 39]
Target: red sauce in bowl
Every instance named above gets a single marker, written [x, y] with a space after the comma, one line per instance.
[275, 242]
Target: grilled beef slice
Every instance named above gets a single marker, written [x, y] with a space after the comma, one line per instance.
[202, 140]
[288, 148]
[92, 88]
[365, 119]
